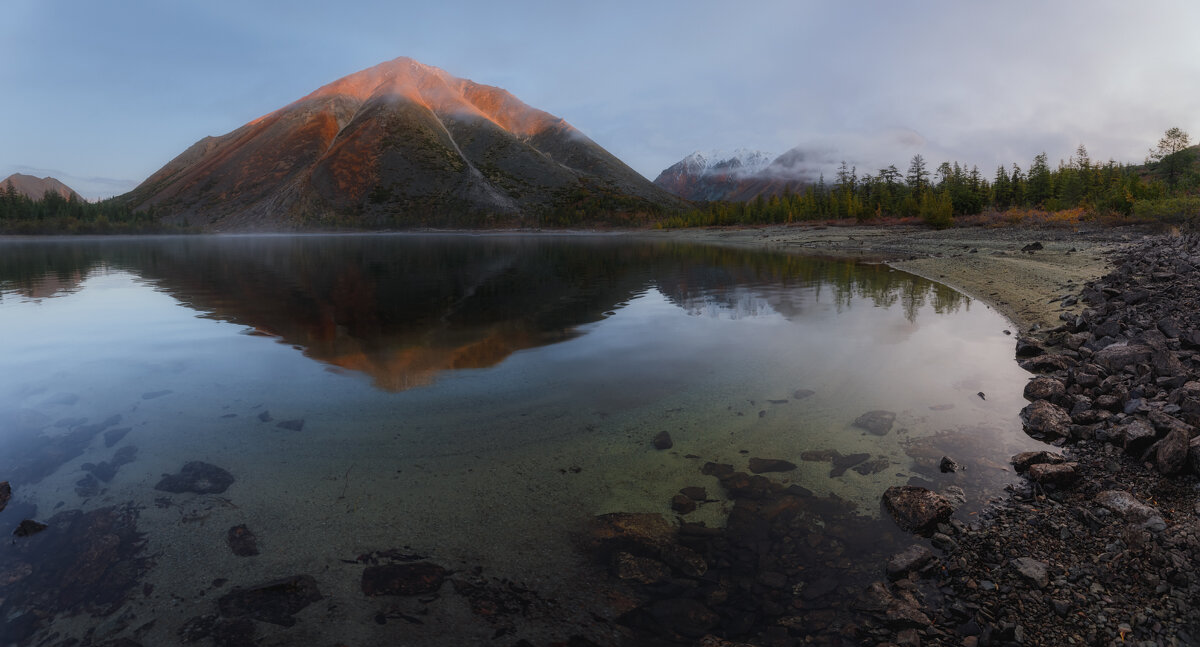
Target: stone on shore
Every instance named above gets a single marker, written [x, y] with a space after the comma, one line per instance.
[1060, 474]
[1024, 460]
[1043, 419]
[916, 509]
[910, 560]
[1032, 571]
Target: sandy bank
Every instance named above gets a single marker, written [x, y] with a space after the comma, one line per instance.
[1028, 287]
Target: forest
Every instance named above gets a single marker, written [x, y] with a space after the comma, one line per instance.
[54, 214]
[1164, 189]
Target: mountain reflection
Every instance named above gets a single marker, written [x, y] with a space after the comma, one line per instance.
[403, 309]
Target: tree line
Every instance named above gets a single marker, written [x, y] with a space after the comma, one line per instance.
[1166, 186]
[54, 214]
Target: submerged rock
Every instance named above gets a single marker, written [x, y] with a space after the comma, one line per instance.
[910, 560]
[292, 425]
[877, 422]
[242, 541]
[29, 527]
[843, 463]
[760, 465]
[663, 441]
[198, 477]
[5, 494]
[274, 602]
[800, 394]
[418, 578]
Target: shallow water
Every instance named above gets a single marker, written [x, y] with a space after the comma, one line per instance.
[473, 400]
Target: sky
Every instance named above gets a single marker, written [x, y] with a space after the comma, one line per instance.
[101, 95]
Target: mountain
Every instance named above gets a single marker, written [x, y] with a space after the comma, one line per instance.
[35, 188]
[400, 143]
[739, 176]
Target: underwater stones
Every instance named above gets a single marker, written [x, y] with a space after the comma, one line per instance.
[873, 466]
[947, 465]
[5, 494]
[29, 527]
[156, 394]
[1044, 419]
[695, 493]
[800, 394]
[718, 470]
[198, 477]
[640, 569]
[265, 416]
[274, 602]
[843, 463]
[683, 616]
[877, 422]
[910, 560]
[645, 530]
[663, 441]
[87, 487]
[242, 541]
[916, 509]
[417, 578]
[114, 436]
[292, 425]
[760, 465]
[682, 504]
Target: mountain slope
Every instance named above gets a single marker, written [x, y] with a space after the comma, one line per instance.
[400, 143]
[739, 176]
[35, 187]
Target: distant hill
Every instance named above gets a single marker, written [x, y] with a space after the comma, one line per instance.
[400, 143]
[35, 188]
[739, 176]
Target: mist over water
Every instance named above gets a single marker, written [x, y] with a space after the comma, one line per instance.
[473, 400]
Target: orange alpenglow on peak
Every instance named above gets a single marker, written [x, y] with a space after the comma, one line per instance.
[400, 143]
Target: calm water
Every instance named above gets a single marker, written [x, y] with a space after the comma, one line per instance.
[473, 400]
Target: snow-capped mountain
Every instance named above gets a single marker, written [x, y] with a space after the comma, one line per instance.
[741, 175]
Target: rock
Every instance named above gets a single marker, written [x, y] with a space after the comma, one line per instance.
[874, 466]
[1022, 461]
[695, 493]
[663, 441]
[916, 509]
[718, 470]
[1045, 388]
[640, 569]
[948, 465]
[944, 542]
[910, 560]
[682, 504]
[1031, 570]
[241, 541]
[683, 616]
[1028, 348]
[1032, 247]
[1043, 419]
[265, 416]
[800, 394]
[684, 559]
[908, 638]
[1171, 453]
[114, 436]
[416, 578]
[274, 602]
[1121, 355]
[1166, 364]
[760, 465]
[818, 455]
[1045, 364]
[5, 494]
[877, 422]
[1194, 454]
[198, 477]
[1061, 474]
[902, 615]
[29, 527]
[1129, 508]
[1137, 435]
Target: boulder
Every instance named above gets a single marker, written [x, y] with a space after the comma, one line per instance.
[1171, 453]
[1043, 419]
[877, 422]
[1028, 348]
[1061, 474]
[1045, 388]
[1136, 436]
[1130, 509]
[1121, 355]
[915, 508]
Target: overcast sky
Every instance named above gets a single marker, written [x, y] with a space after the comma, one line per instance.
[102, 94]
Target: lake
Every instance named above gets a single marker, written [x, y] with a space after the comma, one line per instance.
[228, 436]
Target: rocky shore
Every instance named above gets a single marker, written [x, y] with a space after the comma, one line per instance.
[1098, 544]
